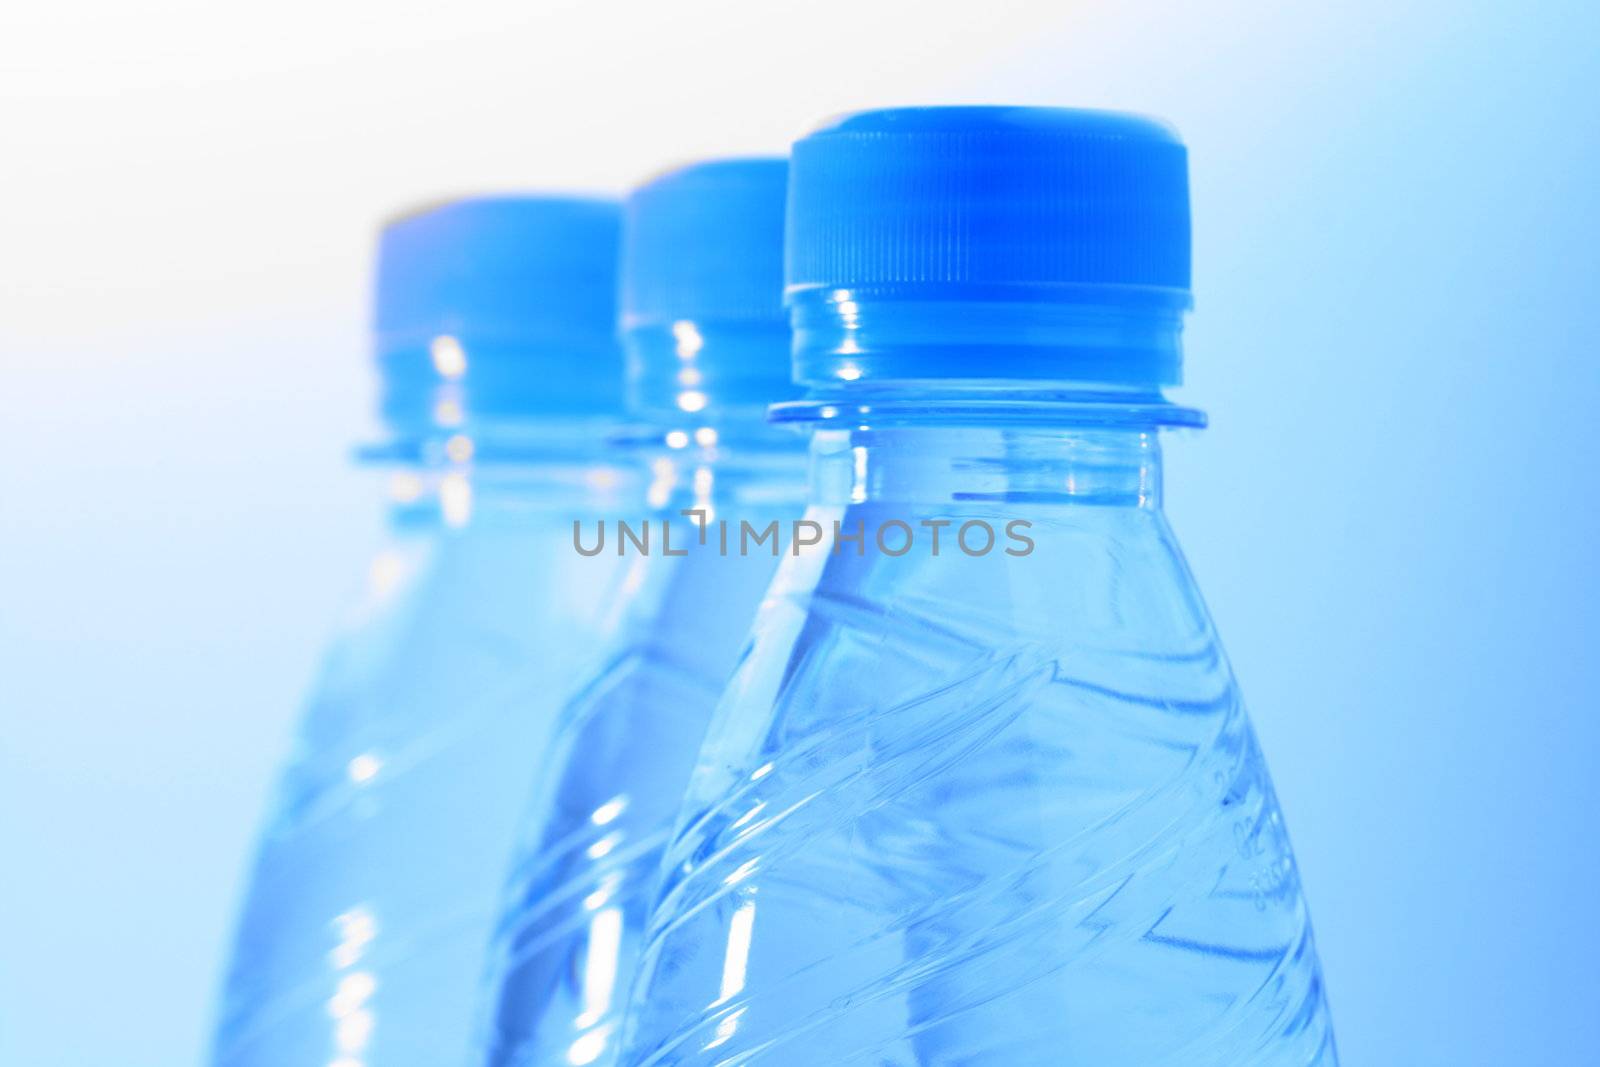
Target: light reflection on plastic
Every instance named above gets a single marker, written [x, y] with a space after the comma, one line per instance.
[737, 958]
[455, 499]
[600, 965]
[405, 488]
[587, 1048]
[741, 872]
[448, 412]
[726, 1029]
[449, 358]
[665, 477]
[353, 1022]
[704, 482]
[363, 768]
[384, 576]
[608, 811]
[754, 810]
[602, 896]
[352, 1033]
[687, 336]
[356, 928]
[352, 993]
[734, 965]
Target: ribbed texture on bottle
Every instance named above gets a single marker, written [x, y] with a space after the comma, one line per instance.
[988, 196]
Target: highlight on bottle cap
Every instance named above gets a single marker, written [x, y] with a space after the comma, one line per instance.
[702, 289]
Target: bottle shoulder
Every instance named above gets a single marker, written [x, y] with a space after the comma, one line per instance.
[949, 806]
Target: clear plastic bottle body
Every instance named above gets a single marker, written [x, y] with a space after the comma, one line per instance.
[374, 888]
[579, 894]
[1001, 807]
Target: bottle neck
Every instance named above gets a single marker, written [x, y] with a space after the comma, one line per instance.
[699, 390]
[1033, 397]
[1031, 469]
[503, 472]
[501, 425]
[688, 374]
[511, 471]
[738, 461]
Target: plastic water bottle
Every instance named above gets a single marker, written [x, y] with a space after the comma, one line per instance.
[377, 880]
[708, 347]
[983, 791]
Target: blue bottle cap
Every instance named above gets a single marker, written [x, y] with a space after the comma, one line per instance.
[702, 289]
[948, 230]
[498, 308]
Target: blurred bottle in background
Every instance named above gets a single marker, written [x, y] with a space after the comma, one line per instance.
[983, 791]
[361, 939]
[708, 348]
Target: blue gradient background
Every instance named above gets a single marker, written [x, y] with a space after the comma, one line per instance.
[1393, 514]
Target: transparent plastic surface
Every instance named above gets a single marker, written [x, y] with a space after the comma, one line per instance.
[377, 877]
[587, 870]
[984, 808]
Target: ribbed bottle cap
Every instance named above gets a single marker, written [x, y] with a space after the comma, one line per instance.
[1060, 210]
[499, 307]
[702, 288]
